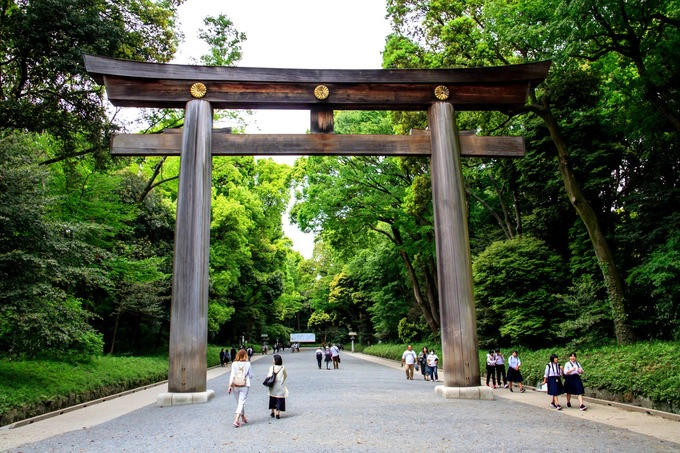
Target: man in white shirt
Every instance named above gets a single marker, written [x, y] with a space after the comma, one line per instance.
[335, 356]
[409, 358]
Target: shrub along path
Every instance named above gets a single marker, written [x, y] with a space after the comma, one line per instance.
[366, 405]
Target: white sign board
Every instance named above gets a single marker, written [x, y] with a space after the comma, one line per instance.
[302, 338]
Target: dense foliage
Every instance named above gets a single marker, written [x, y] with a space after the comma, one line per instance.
[574, 243]
[86, 241]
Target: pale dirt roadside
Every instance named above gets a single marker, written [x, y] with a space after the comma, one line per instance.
[623, 416]
[619, 416]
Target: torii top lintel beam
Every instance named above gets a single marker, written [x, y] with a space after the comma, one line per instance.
[156, 85]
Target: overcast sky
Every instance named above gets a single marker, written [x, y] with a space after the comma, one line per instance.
[305, 34]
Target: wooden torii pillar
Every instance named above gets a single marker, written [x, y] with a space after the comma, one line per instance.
[199, 89]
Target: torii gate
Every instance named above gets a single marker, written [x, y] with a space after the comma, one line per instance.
[200, 89]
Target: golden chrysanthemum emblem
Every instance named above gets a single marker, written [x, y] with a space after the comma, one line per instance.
[198, 90]
[321, 92]
[441, 93]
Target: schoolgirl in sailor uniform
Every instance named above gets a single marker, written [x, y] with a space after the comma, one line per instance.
[572, 381]
[514, 375]
[552, 376]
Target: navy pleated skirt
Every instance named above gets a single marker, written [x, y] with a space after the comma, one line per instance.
[555, 386]
[514, 375]
[573, 385]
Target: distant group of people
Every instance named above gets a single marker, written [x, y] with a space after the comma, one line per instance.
[227, 356]
[427, 362]
[328, 354]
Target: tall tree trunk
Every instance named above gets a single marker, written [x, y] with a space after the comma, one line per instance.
[432, 295]
[427, 314]
[612, 278]
[115, 332]
[431, 316]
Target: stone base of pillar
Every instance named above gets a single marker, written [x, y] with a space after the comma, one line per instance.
[465, 393]
[175, 399]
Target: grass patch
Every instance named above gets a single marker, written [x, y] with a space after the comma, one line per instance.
[35, 382]
[54, 384]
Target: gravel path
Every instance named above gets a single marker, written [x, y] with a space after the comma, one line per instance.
[363, 406]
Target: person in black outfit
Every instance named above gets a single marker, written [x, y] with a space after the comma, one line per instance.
[223, 357]
[319, 356]
[491, 368]
[500, 369]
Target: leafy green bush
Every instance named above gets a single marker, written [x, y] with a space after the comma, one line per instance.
[517, 287]
[587, 317]
[409, 331]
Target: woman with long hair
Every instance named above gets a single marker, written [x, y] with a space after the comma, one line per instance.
[239, 385]
[422, 360]
[278, 392]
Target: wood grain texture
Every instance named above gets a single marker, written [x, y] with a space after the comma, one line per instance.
[321, 120]
[137, 84]
[458, 320]
[316, 144]
[102, 66]
[187, 372]
[123, 92]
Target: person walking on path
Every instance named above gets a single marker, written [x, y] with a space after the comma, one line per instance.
[278, 392]
[514, 375]
[500, 369]
[319, 356]
[553, 377]
[491, 368]
[335, 355]
[409, 358]
[239, 384]
[223, 358]
[422, 360]
[328, 358]
[572, 381]
[432, 363]
[232, 354]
